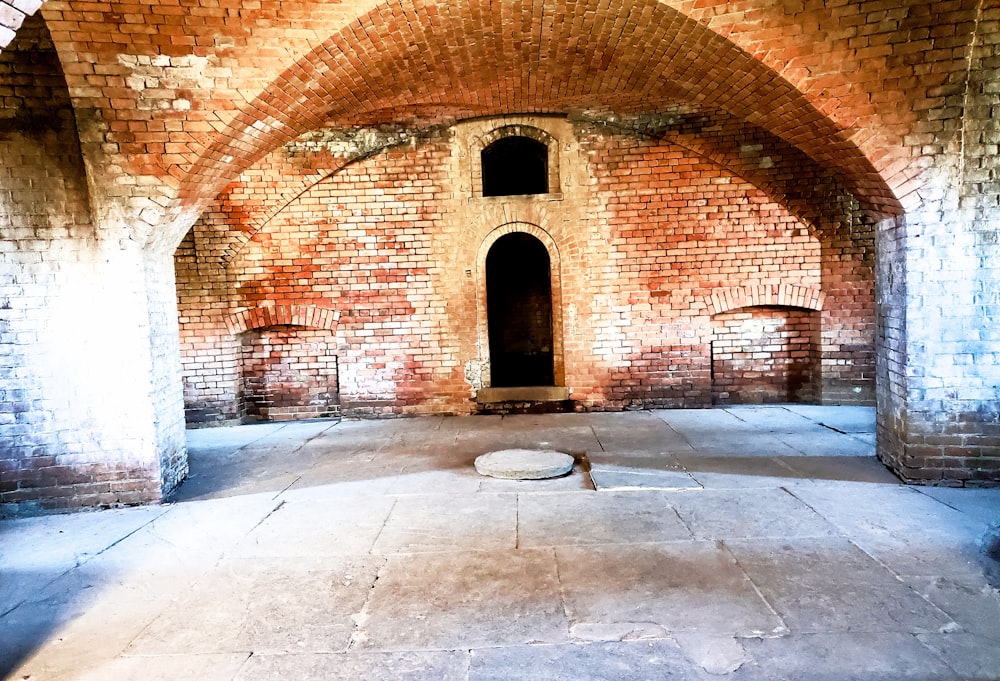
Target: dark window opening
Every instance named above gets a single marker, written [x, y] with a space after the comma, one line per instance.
[515, 165]
[519, 311]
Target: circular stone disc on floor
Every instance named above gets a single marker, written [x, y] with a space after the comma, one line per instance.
[524, 464]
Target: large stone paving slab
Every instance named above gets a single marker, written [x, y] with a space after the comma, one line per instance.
[221, 667]
[249, 459]
[265, 605]
[718, 433]
[442, 522]
[102, 604]
[638, 471]
[622, 661]
[304, 525]
[717, 514]
[36, 551]
[819, 441]
[597, 518]
[969, 600]
[980, 504]
[571, 433]
[636, 433]
[625, 591]
[401, 666]
[741, 472]
[828, 585]
[846, 419]
[462, 600]
[771, 419]
[906, 530]
[842, 657]
[971, 656]
[818, 468]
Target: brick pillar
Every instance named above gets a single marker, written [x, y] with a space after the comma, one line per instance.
[939, 281]
[90, 400]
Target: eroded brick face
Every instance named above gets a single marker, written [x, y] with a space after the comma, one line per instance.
[78, 388]
[641, 233]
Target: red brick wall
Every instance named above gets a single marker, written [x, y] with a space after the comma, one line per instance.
[172, 103]
[643, 232]
[681, 227]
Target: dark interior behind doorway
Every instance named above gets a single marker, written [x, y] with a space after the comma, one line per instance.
[519, 307]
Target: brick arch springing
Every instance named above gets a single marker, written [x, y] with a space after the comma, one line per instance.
[503, 130]
[768, 295]
[482, 321]
[360, 74]
[308, 316]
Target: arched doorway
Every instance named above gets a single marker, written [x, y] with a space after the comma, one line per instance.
[519, 312]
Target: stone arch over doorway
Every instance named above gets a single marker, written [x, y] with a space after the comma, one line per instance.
[482, 303]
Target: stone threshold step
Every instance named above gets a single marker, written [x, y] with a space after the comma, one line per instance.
[522, 394]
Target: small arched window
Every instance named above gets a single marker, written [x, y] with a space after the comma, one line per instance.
[514, 166]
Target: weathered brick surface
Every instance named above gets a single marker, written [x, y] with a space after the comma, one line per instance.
[941, 401]
[12, 15]
[394, 244]
[885, 112]
[79, 346]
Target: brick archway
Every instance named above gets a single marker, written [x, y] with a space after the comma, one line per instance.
[360, 76]
[308, 316]
[482, 317]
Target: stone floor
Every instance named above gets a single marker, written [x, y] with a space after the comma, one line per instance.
[747, 543]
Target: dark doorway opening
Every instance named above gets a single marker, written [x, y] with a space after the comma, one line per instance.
[519, 312]
[514, 166]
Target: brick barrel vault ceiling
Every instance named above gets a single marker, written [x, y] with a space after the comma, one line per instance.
[821, 79]
[477, 57]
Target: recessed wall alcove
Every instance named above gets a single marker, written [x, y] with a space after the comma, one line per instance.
[515, 166]
[764, 355]
[515, 160]
[766, 344]
[288, 373]
[288, 362]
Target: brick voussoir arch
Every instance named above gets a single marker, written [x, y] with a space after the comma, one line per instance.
[781, 295]
[555, 274]
[309, 316]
